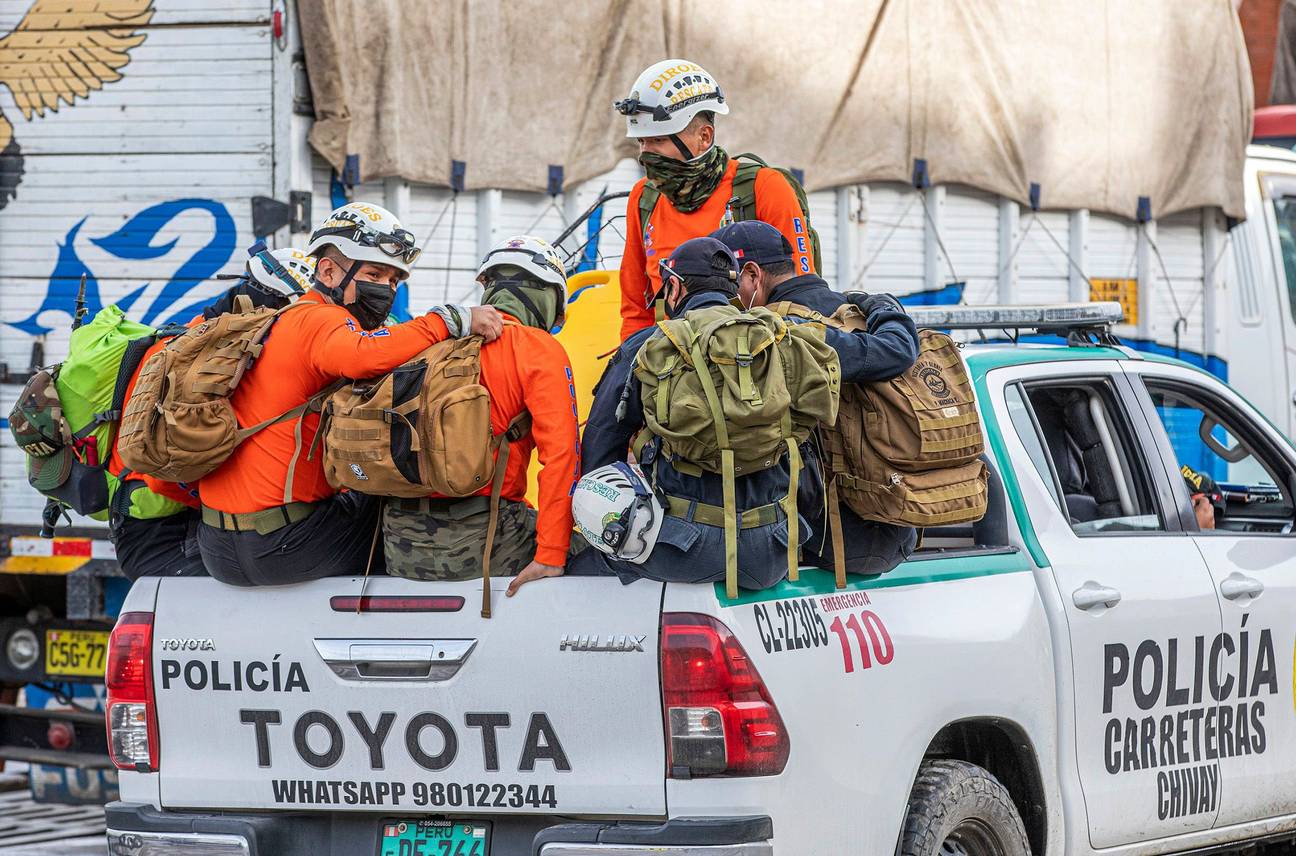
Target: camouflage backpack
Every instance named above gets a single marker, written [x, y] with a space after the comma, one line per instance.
[733, 392]
[66, 420]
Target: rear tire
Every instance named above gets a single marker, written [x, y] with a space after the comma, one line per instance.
[959, 809]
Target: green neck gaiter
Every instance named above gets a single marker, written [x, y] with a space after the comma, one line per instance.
[532, 304]
[687, 184]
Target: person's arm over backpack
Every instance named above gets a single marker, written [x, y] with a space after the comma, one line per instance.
[892, 338]
[888, 348]
[550, 398]
[777, 204]
[337, 346]
[635, 314]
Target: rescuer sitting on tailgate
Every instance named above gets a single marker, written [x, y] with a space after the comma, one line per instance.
[150, 545]
[249, 535]
[768, 278]
[690, 182]
[526, 371]
[693, 543]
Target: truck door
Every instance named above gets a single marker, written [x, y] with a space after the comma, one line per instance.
[1250, 550]
[1139, 604]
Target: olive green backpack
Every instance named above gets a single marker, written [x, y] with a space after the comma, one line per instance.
[743, 203]
[732, 392]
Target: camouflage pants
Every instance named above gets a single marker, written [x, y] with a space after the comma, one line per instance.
[442, 545]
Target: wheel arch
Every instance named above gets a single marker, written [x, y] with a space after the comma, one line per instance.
[1004, 749]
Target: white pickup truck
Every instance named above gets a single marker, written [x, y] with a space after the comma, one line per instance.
[1085, 670]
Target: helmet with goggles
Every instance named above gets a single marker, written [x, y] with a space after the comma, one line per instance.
[666, 97]
[537, 260]
[616, 510]
[364, 232]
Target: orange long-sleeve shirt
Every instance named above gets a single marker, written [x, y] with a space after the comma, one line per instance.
[528, 369]
[308, 348]
[667, 228]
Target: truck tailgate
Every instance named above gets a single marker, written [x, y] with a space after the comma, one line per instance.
[288, 698]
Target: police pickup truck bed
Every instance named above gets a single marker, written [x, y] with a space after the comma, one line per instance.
[1084, 670]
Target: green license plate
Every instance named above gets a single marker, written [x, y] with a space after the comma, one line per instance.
[435, 838]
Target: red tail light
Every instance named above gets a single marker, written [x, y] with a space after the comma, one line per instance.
[720, 719]
[132, 713]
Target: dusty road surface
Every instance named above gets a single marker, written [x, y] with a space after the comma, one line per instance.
[29, 828]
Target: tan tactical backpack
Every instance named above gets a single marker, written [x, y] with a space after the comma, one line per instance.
[423, 428]
[904, 451]
[179, 424]
[734, 392]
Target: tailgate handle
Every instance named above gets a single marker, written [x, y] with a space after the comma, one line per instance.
[395, 659]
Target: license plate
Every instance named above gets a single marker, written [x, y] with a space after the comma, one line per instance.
[76, 653]
[435, 838]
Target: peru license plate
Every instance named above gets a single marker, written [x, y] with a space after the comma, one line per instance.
[435, 838]
[76, 653]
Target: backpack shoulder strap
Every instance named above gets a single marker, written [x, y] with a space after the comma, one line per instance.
[744, 185]
[788, 309]
[518, 428]
[647, 202]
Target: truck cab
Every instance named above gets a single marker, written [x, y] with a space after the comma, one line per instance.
[1261, 321]
[1089, 668]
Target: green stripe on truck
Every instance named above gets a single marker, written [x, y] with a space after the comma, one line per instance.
[914, 572]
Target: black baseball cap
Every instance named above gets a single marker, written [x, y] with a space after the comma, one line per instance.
[755, 241]
[701, 257]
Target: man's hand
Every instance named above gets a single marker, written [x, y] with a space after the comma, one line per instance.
[487, 323]
[1204, 511]
[533, 571]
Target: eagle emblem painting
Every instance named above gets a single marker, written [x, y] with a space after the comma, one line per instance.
[60, 51]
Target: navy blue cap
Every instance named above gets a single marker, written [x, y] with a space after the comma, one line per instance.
[695, 257]
[755, 241]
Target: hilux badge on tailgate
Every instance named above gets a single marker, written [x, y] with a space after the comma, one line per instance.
[619, 644]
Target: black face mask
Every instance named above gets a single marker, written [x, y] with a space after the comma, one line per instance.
[373, 302]
[373, 299]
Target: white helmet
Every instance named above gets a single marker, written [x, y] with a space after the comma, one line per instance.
[367, 233]
[617, 512]
[666, 97]
[538, 258]
[286, 272]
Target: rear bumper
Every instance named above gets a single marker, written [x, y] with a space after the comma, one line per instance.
[140, 830]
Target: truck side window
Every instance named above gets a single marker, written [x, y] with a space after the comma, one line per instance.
[1093, 461]
[1285, 218]
[1022, 419]
[1211, 438]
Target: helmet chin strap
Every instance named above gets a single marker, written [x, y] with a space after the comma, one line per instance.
[683, 149]
[335, 292]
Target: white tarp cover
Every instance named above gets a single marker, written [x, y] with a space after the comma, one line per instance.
[1098, 101]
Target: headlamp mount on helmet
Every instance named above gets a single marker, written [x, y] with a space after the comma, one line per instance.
[618, 530]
